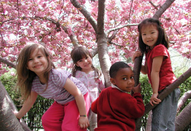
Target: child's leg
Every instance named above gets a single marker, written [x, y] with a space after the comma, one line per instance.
[171, 120]
[164, 114]
[70, 121]
[52, 118]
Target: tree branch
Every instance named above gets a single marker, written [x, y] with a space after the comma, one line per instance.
[100, 19]
[163, 8]
[183, 100]
[170, 88]
[58, 25]
[7, 62]
[183, 119]
[121, 26]
[85, 13]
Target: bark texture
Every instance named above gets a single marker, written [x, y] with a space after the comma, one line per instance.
[183, 119]
[8, 121]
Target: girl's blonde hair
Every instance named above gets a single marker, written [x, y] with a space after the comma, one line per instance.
[24, 75]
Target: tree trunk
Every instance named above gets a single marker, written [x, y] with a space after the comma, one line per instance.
[104, 60]
[136, 69]
[149, 121]
[8, 121]
[183, 119]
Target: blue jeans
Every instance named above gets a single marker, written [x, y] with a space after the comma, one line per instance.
[163, 117]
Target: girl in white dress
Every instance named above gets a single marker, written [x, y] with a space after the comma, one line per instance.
[92, 78]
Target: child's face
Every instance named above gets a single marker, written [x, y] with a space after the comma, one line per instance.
[37, 62]
[85, 63]
[124, 79]
[149, 35]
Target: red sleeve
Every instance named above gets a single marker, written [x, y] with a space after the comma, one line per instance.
[160, 50]
[94, 106]
[140, 107]
[131, 106]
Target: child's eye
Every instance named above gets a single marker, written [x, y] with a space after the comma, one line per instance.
[39, 56]
[30, 59]
[132, 77]
[80, 60]
[125, 78]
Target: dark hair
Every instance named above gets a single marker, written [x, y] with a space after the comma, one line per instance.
[78, 53]
[162, 38]
[116, 67]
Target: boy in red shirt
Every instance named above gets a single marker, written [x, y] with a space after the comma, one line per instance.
[116, 108]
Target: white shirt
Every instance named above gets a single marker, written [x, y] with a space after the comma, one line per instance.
[92, 83]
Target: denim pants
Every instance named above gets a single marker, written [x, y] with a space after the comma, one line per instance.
[163, 117]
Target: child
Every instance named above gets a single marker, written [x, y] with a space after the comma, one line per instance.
[37, 75]
[91, 77]
[116, 108]
[154, 44]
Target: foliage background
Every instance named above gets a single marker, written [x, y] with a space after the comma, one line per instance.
[33, 117]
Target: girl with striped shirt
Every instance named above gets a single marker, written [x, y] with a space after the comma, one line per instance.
[37, 76]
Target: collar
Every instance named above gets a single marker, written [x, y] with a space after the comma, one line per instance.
[113, 86]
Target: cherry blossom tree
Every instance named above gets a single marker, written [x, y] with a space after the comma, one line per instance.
[106, 27]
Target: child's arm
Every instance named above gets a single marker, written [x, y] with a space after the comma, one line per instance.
[137, 89]
[28, 103]
[156, 65]
[73, 90]
[101, 82]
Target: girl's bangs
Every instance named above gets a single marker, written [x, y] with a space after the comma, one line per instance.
[79, 55]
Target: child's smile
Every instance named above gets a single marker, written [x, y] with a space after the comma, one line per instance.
[149, 35]
[37, 62]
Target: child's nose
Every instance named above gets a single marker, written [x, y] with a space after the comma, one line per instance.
[130, 81]
[148, 36]
[35, 60]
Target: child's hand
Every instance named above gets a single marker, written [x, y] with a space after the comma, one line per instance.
[83, 122]
[154, 99]
[137, 89]
[136, 54]
[97, 80]
[15, 112]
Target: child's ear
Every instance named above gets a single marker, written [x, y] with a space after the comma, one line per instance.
[112, 81]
